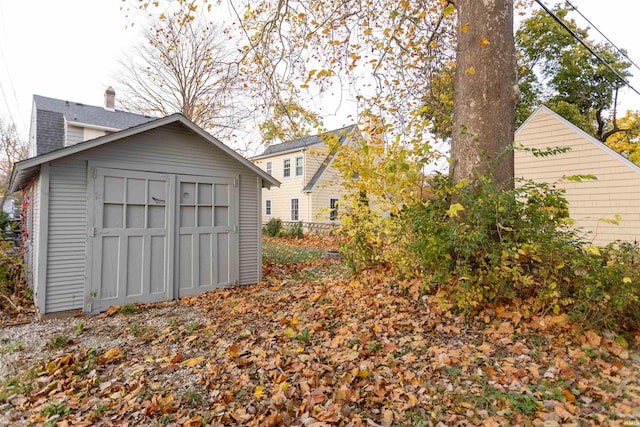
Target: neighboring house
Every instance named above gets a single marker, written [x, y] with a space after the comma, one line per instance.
[11, 209]
[592, 203]
[311, 190]
[150, 213]
[56, 123]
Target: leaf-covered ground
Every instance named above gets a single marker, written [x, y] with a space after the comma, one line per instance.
[312, 345]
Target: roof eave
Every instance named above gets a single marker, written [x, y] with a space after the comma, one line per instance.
[288, 151]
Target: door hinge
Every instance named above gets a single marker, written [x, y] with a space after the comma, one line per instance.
[88, 307]
[235, 228]
[92, 231]
[235, 182]
[94, 172]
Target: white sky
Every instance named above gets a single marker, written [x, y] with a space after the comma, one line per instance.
[69, 49]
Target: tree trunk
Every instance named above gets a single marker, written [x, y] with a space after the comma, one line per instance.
[485, 91]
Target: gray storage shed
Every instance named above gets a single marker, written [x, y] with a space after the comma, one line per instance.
[150, 213]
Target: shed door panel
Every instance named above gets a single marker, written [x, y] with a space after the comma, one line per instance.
[130, 237]
[207, 247]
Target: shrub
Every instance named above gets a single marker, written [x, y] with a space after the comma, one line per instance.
[273, 227]
[294, 230]
[11, 269]
[483, 245]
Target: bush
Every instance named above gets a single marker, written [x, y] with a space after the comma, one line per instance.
[484, 245]
[273, 227]
[294, 230]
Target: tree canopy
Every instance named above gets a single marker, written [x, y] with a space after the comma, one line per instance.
[557, 70]
[187, 66]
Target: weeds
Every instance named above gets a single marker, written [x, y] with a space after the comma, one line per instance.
[58, 341]
[128, 309]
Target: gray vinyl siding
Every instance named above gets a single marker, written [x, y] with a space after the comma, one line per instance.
[170, 146]
[66, 235]
[161, 147]
[250, 230]
[33, 221]
[75, 134]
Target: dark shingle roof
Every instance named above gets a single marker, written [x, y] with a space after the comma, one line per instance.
[52, 113]
[90, 114]
[50, 127]
[307, 141]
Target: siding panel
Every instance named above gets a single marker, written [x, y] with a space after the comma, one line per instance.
[613, 193]
[67, 235]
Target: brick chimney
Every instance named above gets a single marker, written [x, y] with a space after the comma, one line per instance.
[109, 99]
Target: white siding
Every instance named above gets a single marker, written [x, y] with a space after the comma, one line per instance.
[292, 186]
[328, 187]
[615, 192]
[171, 146]
[75, 134]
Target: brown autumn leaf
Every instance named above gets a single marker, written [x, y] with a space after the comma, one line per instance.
[235, 350]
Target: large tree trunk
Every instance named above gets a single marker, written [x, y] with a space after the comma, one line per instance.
[485, 91]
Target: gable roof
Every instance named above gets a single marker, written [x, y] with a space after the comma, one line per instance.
[25, 170]
[543, 109]
[52, 114]
[306, 142]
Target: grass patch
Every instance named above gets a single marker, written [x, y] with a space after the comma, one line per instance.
[274, 252]
[58, 341]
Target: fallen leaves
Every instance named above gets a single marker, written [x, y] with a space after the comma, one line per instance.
[333, 350]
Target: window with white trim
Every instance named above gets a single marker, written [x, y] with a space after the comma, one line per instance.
[269, 167]
[299, 165]
[295, 209]
[267, 207]
[286, 168]
[333, 209]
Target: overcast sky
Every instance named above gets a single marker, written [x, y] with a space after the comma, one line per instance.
[69, 49]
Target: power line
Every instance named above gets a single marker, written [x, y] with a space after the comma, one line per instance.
[4, 96]
[583, 43]
[622, 52]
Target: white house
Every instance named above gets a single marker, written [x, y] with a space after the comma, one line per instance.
[311, 188]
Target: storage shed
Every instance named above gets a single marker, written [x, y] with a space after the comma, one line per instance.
[607, 209]
[150, 213]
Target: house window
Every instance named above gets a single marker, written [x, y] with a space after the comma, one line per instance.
[286, 168]
[333, 209]
[267, 207]
[269, 168]
[295, 210]
[299, 163]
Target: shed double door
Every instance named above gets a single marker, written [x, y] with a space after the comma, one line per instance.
[155, 237]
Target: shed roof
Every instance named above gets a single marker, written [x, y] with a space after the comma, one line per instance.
[25, 170]
[542, 109]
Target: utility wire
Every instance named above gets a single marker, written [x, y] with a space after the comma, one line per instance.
[623, 53]
[4, 95]
[583, 43]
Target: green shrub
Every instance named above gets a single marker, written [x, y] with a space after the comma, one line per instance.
[294, 230]
[273, 227]
[484, 245]
[488, 244]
